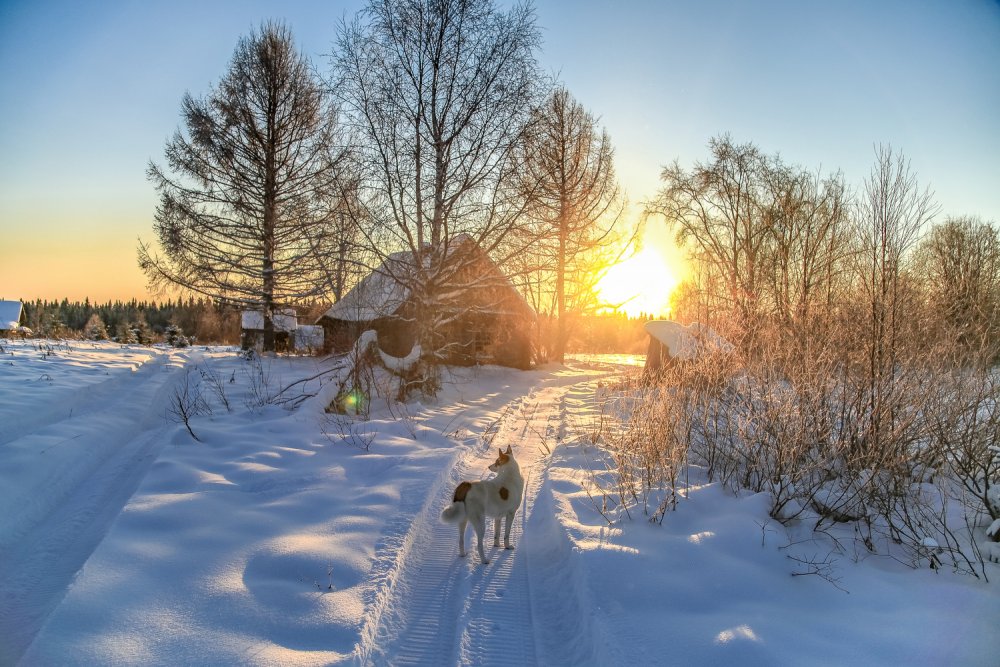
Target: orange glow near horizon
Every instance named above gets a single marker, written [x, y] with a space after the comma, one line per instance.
[84, 262]
[639, 284]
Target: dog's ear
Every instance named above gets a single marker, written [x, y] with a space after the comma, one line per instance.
[509, 450]
[500, 449]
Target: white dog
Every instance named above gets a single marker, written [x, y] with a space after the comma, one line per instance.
[497, 497]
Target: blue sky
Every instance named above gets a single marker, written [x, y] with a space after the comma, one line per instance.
[90, 91]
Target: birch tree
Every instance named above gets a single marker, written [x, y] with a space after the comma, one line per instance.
[770, 240]
[892, 213]
[438, 93]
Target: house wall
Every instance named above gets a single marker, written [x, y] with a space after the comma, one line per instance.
[472, 339]
[488, 339]
[394, 336]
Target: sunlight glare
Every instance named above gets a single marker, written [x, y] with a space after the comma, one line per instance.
[640, 284]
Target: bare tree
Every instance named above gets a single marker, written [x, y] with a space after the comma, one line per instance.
[569, 178]
[769, 239]
[891, 214]
[959, 262]
[349, 257]
[809, 219]
[245, 199]
[438, 92]
[718, 208]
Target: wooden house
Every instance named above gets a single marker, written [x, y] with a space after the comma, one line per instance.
[481, 317]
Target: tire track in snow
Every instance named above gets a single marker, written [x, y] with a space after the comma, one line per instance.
[55, 534]
[439, 609]
[425, 591]
[572, 634]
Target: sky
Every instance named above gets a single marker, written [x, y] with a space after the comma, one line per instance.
[91, 91]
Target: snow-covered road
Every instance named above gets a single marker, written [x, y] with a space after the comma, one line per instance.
[68, 471]
[444, 610]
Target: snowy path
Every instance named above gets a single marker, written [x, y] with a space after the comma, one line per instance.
[444, 610]
[66, 480]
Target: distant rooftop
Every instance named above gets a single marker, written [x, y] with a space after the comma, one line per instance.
[10, 315]
[284, 320]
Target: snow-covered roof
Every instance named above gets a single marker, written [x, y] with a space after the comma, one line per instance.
[284, 320]
[687, 342]
[380, 294]
[10, 315]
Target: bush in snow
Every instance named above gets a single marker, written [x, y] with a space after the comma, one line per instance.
[125, 335]
[800, 428]
[134, 333]
[965, 435]
[648, 432]
[367, 372]
[175, 337]
[188, 402]
[214, 380]
[260, 391]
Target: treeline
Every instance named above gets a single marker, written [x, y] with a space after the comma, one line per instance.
[200, 320]
[133, 321]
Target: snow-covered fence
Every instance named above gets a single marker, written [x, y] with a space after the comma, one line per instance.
[357, 378]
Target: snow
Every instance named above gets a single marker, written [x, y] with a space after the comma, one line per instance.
[993, 532]
[296, 537]
[401, 365]
[309, 337]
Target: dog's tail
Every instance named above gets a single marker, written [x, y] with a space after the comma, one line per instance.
[456, 511]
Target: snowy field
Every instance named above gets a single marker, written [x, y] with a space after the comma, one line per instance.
[287, 537]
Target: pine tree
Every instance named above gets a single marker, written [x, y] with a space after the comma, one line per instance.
[95, 329]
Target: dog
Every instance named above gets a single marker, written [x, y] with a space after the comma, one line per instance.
[498, 497]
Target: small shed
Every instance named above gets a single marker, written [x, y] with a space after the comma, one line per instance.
[11, 316]
[486, 320]
[671, 341]
[252, 328]
[307, 338]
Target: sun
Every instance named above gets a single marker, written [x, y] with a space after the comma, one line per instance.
[640, 284]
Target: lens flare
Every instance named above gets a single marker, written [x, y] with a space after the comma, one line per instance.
[353, 402]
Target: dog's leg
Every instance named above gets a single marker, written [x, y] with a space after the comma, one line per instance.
[506, 530]
[479, 523]
[461, 537]
[496, 531]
